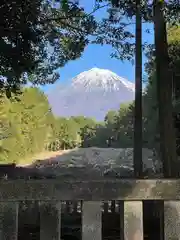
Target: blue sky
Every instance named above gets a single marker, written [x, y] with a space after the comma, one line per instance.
[99, 56]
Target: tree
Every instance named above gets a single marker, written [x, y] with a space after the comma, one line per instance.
[138, 164]
[124, 126]
[122, 14]
[110, 117]
[164, 93]
[25, 124]
[174, 55]
[150, 115]
[38, 37]
[150, 98]
[128, 8]
[65, 134]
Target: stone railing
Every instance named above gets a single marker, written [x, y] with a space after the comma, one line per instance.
[51, 195]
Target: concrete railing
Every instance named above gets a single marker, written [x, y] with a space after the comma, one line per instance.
[88, 197]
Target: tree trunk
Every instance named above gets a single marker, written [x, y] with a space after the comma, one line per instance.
[164, 94]
[138, 166]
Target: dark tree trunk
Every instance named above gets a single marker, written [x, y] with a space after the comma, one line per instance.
[164, 94]
[138, 166]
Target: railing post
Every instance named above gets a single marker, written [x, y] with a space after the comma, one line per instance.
[171, 220]
[1, 221]
[50, 221]
[67, 206]
[133, 220]
[105, 207]
[121, 212]
[92, 221]
[113, 206]
[74, 206]
[9, 220]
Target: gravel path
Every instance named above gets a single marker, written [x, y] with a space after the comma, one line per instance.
[85, 162]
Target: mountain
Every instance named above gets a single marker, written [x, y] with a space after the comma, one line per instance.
[91, 93]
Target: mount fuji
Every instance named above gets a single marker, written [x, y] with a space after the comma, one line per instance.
[91, 94]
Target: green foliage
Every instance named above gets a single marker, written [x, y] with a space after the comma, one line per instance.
[110, 117]
[116, 131]
[65, 135]
[25, 124]
[28, 127]
[123, 126]
[115, 29]
[38, 37]
[128, 8]
[119, 125]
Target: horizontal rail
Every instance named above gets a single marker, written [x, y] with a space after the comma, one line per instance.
[126, 189]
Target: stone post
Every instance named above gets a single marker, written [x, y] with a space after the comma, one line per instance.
[91, 221]
[133, 220]
[9, 220]
[50, 221]
[172, 220]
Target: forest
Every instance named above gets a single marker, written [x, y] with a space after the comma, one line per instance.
[27, 124]
[37, 39]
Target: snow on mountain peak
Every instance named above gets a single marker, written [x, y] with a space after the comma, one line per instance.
[91, 94]
[102, 78]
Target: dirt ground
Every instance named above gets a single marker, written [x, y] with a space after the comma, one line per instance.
[42, 156]
[94, 156]
[87, 163]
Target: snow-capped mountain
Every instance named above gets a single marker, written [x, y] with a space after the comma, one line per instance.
[91, 93]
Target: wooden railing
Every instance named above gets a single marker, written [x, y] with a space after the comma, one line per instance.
[51, 195]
